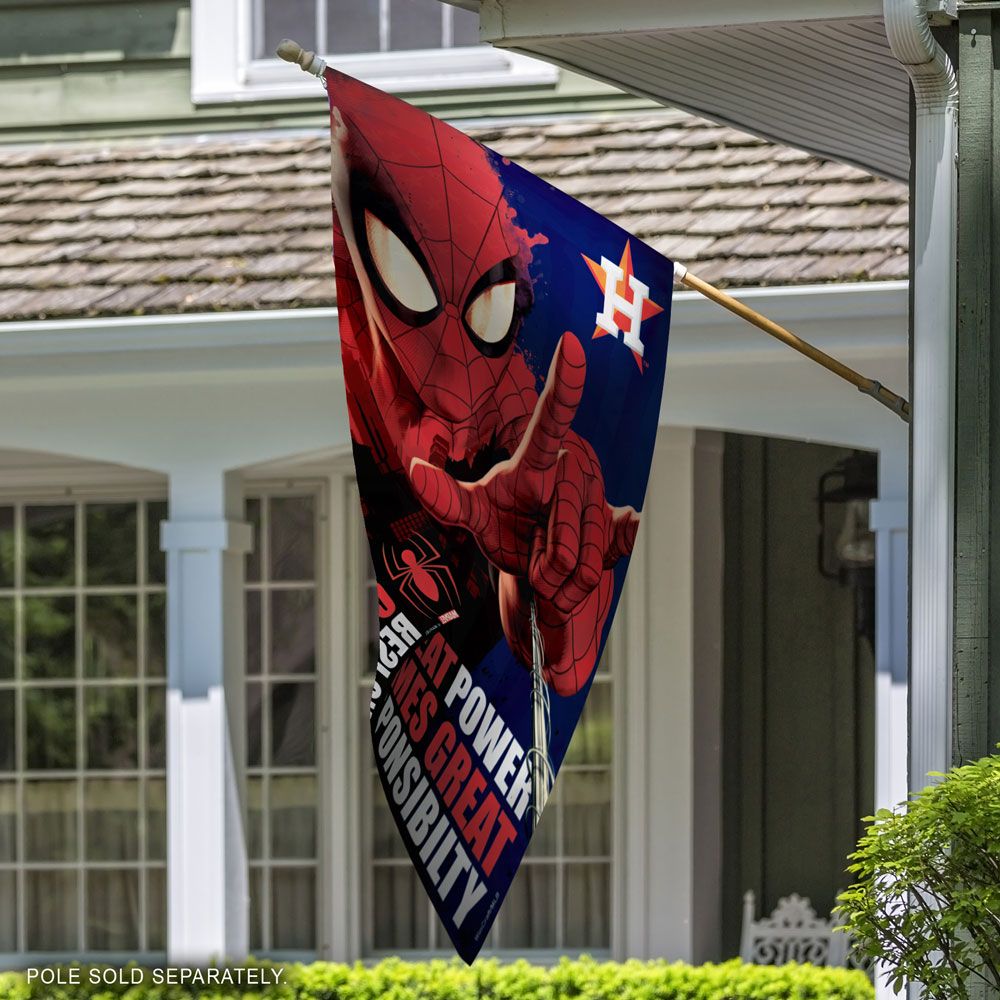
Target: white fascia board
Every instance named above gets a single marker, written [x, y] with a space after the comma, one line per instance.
[702, 332]
[308, 340]
[505, 22]
[278, 342]
[181, 331]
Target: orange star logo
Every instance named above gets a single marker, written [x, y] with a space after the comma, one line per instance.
[621, 310]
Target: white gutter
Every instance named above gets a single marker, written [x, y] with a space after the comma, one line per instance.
[284, 343]
[306, 331]
[932, 485]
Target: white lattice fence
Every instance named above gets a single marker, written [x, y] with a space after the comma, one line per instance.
[793, 933]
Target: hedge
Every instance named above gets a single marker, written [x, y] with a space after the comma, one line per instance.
[393, 979]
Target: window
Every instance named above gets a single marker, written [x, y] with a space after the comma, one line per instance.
[281, 699]
[560, 900]
[350, 27]
[82, 729]
[402, 46]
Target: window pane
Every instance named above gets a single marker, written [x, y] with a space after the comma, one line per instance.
[156, 558]
[50, 820]
[156, 819]
[591, 743]
[257, 876]
[156, 635]
[49, 637]
[111, 727]
[111, 543]
[51, 903]
[293, 632]
[545, 839]
[293, 816]
[415, 24]
[293, 536]
[112, 910]
[8, 911]
[156, 726]
[587, 813]
[254, 725]
[588, 905]
[156, 909]
[352, 26]
[6, 546]
[293, 726]
[7, 730]
[50, 726]
[293, 908]
[286, 19]
[464, 27]
[253, 632]
[255, 818]
[8, 821]
[7, 638]
[401, 909]
[49, 546]
[111, 815]
[386, 841]
[529, 911]
[109, 643]
[252, 514]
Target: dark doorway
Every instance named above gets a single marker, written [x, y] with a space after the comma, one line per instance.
[798, 678]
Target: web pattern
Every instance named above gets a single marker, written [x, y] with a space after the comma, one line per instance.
[425, 396]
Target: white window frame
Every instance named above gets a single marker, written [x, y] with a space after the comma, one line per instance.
[223, 70]
[76, 487]
[317, 487]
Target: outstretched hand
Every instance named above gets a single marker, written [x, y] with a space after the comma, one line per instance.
[541, 515]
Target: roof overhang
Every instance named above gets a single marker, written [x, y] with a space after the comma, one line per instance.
[721, 373]
[816, 74]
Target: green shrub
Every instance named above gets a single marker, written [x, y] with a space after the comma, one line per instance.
[488, 980]
[926, 901]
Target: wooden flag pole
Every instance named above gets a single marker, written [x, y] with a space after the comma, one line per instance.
[292, 52]
[869, 386]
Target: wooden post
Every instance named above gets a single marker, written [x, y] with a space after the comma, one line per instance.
[976, 678]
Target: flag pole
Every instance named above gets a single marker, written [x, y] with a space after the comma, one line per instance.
[869, 386]
[292, 52]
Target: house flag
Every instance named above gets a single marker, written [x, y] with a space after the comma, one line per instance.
[504, 350]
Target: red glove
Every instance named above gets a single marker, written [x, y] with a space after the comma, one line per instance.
[542, 518]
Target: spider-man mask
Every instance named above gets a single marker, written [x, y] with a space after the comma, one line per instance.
[441, 265]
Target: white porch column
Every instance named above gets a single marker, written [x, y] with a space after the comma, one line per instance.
[889, 520]
[207, 893]
[671, 806]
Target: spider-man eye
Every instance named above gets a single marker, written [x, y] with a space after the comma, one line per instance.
[494, 308]
[397, 268]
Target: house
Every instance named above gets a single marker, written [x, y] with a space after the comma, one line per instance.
[184, 593]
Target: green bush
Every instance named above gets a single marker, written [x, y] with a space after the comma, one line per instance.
[926, 900]
[488, 980]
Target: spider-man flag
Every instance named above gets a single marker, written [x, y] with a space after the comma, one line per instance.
[504, 349]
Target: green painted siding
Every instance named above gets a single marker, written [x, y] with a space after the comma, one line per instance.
[90, 68]
[976, 666]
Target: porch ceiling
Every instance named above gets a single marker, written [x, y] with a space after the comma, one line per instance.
[816, 74]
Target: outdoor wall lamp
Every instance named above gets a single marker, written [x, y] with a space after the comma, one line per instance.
[846, 548]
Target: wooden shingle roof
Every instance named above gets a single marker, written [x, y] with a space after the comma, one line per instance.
[229, 223]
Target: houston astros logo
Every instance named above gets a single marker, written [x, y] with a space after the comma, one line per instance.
[626, 301]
